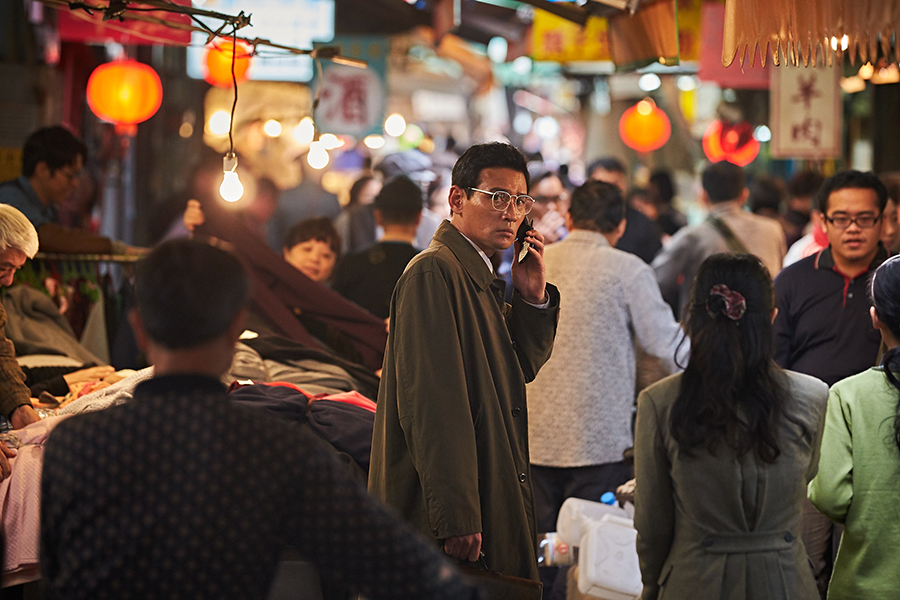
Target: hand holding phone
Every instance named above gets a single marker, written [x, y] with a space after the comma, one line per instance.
[524, 228]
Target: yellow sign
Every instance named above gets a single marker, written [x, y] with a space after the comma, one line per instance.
[10, 163]
[555, 39]
[689, 29]
[558, 40]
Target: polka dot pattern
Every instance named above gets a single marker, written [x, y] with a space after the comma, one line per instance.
[181, 494]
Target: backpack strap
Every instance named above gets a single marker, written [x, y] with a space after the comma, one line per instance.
[734, 244]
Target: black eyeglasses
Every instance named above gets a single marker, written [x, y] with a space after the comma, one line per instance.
[862, 221]
[500, 201]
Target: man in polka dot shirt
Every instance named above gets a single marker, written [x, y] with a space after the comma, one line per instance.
[181, 494]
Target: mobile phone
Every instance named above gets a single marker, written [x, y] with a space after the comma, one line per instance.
[524, 228]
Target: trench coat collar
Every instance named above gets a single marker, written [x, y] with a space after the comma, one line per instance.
[465, 253]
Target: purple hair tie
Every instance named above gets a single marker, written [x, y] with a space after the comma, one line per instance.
[735, 304]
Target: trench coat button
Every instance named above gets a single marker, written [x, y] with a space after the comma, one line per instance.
[434, 531]
[789, 537]
[707, 542]
[516, 411]
[522, 477]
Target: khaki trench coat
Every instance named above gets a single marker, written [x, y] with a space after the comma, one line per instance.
[450, 447]
[721, 526]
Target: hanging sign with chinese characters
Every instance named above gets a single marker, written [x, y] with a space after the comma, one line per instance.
[556, 39]
[352, 100]
[806, 112]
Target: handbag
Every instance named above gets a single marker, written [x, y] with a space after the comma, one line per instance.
[501, 587]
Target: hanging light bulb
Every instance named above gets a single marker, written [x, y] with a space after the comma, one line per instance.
[317, 156]
[330, 141]
[395, 125]
[305, 131]
[219, 123]
[374, 141]
[272, 128]
[231, 188]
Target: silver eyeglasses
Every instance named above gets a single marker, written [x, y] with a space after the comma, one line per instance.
[500, 201]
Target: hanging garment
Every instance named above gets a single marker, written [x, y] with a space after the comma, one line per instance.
[35, 326]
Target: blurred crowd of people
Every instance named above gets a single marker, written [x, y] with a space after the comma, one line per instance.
[751, 340]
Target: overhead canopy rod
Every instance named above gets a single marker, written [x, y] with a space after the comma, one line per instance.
[138, 11]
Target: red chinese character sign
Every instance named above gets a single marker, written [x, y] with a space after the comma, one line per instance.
[352, 101]
[806, 112]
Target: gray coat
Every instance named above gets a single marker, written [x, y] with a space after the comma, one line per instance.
[723, 526]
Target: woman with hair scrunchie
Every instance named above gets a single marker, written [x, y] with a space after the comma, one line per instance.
[724, 450]
[858, 483]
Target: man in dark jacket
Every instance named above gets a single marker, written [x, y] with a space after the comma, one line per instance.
[52, 157]
[450, 448]
[368, 277]
[823, 327]
[641, 236]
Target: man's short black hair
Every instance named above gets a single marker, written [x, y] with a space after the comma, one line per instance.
[607, 163]
[56, 146]
[493, 155]
[766, 193]
[400, 201]
[597, 206]
[805, 183]
[189, 293]
[541, 174]
[665, 187]
[320, 229]
[852, 180]
[723, 181]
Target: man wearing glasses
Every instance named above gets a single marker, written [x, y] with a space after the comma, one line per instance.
[52, 159]
[551, 203]
[823, 326]
[450, 448]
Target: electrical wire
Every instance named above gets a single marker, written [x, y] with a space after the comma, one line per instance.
[234, 83]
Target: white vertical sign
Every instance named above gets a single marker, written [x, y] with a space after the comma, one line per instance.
[805, 112]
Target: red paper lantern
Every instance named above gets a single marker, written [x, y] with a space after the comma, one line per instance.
[732, 142]
[644, 127]
[218, 63]
[125, 93]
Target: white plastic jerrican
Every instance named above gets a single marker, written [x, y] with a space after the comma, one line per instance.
[576, 515]
[608, 565]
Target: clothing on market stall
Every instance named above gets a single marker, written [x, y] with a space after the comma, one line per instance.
[281, 293]
[35, 326]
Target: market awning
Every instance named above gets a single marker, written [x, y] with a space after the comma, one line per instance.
[799, 30]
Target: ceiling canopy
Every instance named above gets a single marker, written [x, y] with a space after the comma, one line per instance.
[801, 30]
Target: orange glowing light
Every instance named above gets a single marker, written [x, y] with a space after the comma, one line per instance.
[644, 127]
[125, 93]
[732, 142]
[218, 63]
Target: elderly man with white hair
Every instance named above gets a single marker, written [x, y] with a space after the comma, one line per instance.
[18, 242]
